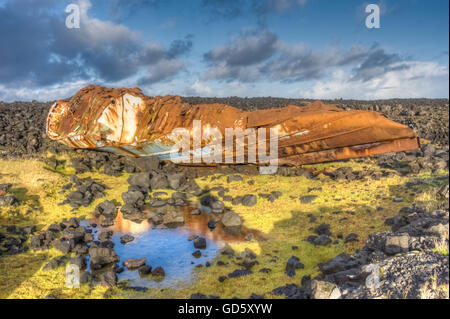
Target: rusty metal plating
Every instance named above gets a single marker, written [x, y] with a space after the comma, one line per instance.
[127, 122]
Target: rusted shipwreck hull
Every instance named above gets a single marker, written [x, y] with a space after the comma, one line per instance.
[127, 122]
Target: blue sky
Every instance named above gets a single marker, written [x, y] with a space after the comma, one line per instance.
[288, 48]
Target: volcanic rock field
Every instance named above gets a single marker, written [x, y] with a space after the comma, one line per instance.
[364, 228]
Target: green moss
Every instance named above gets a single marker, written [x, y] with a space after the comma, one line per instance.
[349, 207]
[442, 249]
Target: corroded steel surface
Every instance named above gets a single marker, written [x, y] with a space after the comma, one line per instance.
[125, 121]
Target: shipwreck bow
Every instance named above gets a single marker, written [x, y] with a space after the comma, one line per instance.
[127, 122]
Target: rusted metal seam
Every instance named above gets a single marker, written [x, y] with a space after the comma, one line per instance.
[146, 123]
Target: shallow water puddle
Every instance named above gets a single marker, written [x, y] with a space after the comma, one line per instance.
[166, 247]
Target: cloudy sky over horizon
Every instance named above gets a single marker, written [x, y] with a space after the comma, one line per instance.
[288, 48]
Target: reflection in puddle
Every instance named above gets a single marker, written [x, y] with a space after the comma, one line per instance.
[168, 248]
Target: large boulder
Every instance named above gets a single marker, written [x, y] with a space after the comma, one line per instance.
[200, 242]
[232, 222]
[324, 290]
[147, 164]
[129, 209]
[441, 230]
[231, 219]
[64, 246]
[176, 180]
[107, 209]
[249, 200]
[396, 244]
[159, 181]
[140, 179]
[76, 235]
[173, 219]
[133, 198]
[134, 263]
[339, 263]
[102, 256]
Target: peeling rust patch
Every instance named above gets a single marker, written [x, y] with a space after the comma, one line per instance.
[127, 122]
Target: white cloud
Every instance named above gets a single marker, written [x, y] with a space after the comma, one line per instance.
[419, 79]
[199, 88]
[97, 32]
[49, 93]
[54, 59]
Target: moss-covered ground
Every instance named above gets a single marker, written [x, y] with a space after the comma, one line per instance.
[359, 206]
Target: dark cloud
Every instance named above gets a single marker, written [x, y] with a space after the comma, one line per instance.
[251, 47]
[294, 65]
[260, 55]
[231, 61]
[39, 50]
[356, 54]
[376, 63]
[163, 70]
[24, 54]
[180, 47]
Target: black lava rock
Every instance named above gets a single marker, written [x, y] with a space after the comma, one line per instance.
[292, 264]
[249, 200]
[200, 243]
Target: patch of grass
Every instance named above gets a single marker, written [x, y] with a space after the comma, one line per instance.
[38, 190]
[433, 289]
[21, 276]
[442, 247]
[348, 206]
